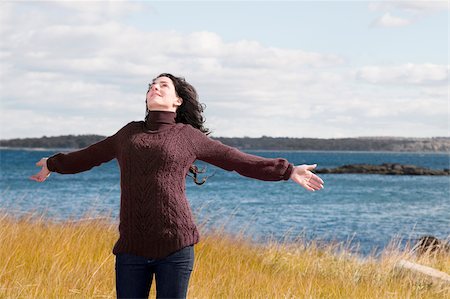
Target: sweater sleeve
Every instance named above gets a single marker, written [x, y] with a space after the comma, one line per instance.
[82, 160]
[232, 159]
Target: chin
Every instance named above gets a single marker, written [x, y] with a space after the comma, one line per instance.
[158, 108]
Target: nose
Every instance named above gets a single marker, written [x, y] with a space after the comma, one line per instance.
[155, 86]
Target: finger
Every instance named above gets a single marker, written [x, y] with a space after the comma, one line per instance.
[304, 184]
[317, 179]
[40, 163]
[309, 167]
[34, 178]
[310, 189]
[314, 184]
[307, 186]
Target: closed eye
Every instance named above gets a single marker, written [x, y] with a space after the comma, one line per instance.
[162, 84]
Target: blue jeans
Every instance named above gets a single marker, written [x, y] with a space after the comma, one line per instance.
[134, 274]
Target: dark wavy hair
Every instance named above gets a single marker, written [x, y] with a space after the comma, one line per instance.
[189, 112]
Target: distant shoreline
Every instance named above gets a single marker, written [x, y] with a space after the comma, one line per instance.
[65, 149]
[40, 149]
[264, 143]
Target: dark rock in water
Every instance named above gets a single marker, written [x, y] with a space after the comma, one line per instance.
[430, 244]
[385, 168]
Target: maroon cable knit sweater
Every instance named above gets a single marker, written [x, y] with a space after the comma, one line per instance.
[154, 159]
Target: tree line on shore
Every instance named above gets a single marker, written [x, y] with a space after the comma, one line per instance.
[400, 144]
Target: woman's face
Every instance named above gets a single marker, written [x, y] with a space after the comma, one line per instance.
[162, 96]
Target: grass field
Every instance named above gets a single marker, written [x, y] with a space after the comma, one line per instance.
[72, 259]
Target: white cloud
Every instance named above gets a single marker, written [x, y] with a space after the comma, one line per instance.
[410, 6]
[387, 20]
[422, 74]
[412, 11]
[104, 67]
[68, 73]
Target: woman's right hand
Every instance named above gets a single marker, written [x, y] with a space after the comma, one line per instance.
[44, 173]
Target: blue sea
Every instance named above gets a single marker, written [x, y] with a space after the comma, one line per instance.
[366, 211]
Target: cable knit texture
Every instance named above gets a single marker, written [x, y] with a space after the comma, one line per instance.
[154, 158]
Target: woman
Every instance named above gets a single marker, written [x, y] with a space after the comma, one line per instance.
[157, 229]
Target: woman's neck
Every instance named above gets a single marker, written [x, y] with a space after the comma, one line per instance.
[157, 120]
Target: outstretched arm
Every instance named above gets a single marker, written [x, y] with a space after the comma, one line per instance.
[80, 160]
[232, 159]
[84, 159]
[77, 161]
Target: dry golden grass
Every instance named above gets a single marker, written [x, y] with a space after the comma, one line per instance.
[72, 259]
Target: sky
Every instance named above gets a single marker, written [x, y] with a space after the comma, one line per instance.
[315, 69]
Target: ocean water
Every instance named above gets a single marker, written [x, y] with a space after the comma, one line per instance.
[367, 210]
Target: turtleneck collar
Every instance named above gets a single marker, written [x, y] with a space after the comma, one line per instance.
[158, 120]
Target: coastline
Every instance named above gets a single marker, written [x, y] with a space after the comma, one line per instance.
[249, 150]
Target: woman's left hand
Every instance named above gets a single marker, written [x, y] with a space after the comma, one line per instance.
[303, 176]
